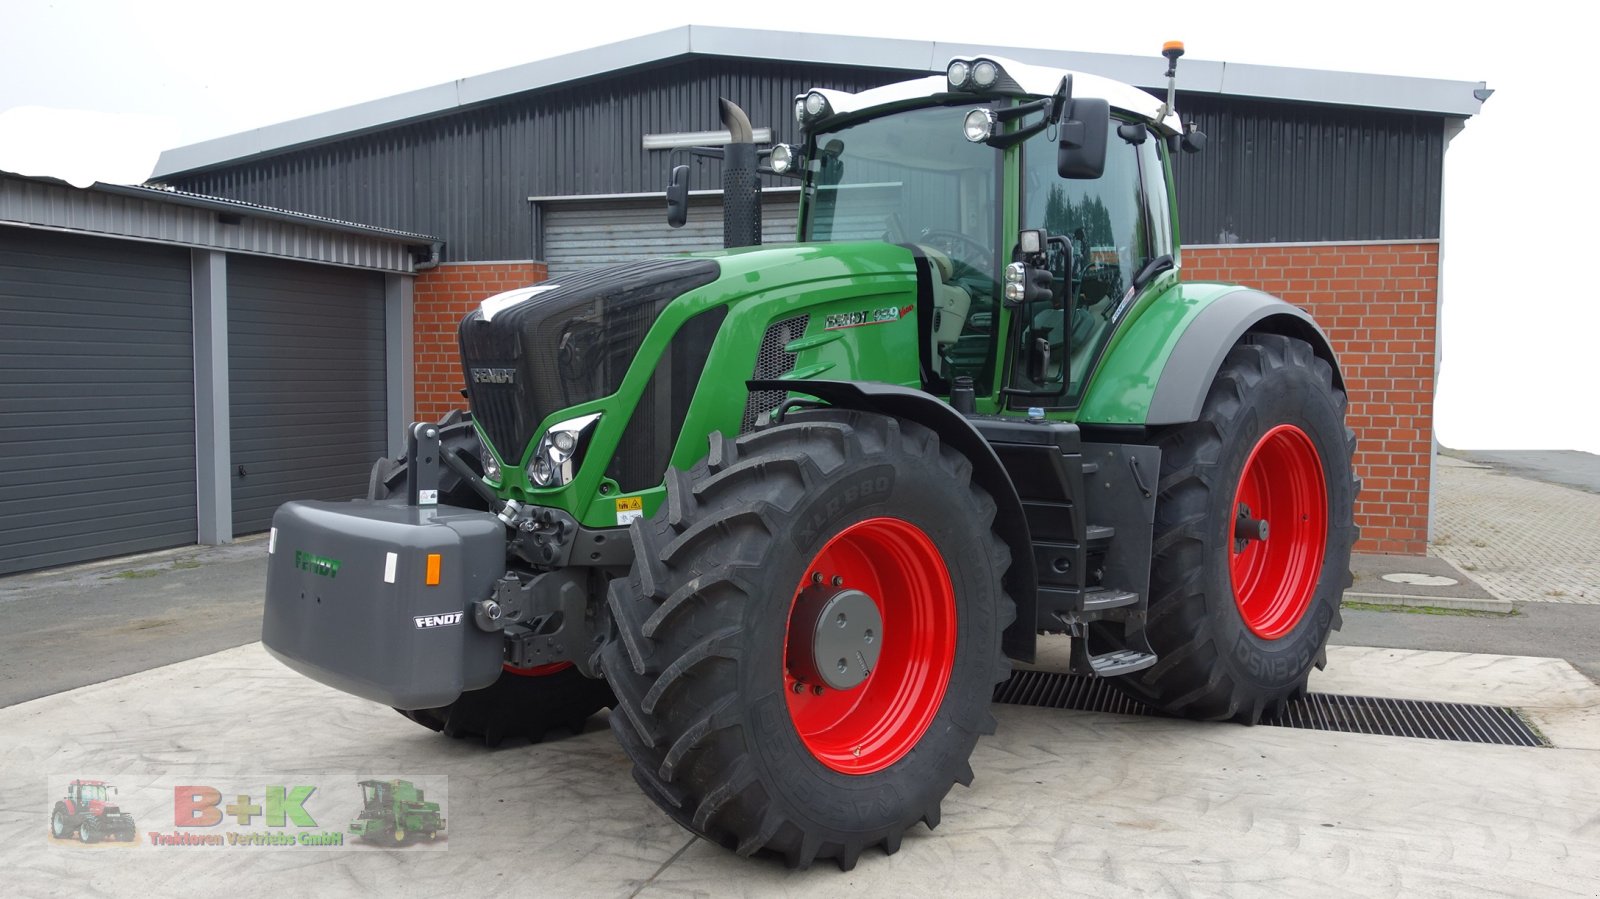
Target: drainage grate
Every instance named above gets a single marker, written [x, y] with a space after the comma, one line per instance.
[1458, 721]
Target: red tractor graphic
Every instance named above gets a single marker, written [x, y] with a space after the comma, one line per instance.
[87, 813]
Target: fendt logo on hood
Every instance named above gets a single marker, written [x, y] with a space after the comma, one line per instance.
[445, 620]
[494, 375]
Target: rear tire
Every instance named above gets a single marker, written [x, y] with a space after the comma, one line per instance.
[529, 703]
[58, 822]
[722, 735]
[1238, 624]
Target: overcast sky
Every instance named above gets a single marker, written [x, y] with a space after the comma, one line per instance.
[1521, 338]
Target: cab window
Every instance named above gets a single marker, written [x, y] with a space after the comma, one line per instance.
[1103, 224]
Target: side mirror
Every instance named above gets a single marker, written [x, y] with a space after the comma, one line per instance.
[1082, 153]
[678, 196]
[1194, 140]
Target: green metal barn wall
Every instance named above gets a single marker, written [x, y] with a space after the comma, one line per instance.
[97, 449]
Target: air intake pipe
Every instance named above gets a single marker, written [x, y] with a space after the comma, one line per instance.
[741, 185]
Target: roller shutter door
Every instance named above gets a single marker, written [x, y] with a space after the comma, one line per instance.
[96, 399]
[306, 373]
[582, 235]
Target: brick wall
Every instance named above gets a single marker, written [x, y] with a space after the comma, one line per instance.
[1378, 303]
[443, 295]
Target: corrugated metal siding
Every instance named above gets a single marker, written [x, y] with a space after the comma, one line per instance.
[581, 235]
[306, 372]
[1284, 173]
[97, 391]
[50, 205]
[467, 177]
[1274, 171]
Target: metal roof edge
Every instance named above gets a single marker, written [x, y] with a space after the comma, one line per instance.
[1425, 95]
[236, 207]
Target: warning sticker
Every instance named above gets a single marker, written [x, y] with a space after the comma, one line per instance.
[629, 509]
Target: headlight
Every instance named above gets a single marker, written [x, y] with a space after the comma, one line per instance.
[816, 104]
[958, 73]
[782, 158]
[1016, 290]
[491, 468]
[978, 126]
[799, 109]
[560, 451]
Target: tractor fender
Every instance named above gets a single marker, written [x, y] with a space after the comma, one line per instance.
[1197, 356]
[1010, 523]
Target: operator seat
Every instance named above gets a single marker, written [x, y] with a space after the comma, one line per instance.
[951, 302]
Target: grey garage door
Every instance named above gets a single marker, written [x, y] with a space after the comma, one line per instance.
[581, 235]
[96, 399]
[306, 373]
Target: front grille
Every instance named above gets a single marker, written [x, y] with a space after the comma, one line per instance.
[1456, 721]
[772, 361]
[570, 343]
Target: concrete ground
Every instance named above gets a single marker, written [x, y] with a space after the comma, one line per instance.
[1064, 803]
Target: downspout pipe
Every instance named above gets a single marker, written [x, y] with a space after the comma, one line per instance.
[435, 253]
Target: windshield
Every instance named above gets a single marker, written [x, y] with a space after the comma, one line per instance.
[93, 793]
[911, 178]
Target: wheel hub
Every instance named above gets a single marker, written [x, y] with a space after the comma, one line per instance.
[836, 634]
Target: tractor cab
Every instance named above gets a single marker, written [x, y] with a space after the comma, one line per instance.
[375, 794]
[83, 792]
[1040, 198]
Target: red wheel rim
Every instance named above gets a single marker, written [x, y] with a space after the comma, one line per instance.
[1274, 578]
[871, 726]
[537, 670]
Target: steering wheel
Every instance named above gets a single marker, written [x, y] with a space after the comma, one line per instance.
[978, 256]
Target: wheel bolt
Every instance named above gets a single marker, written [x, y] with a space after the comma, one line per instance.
[816, 577]
[800, 687]
[816, 690]
[838, 581]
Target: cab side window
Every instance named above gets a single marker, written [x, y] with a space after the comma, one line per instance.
[1106, 225]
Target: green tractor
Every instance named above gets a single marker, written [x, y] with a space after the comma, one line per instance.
[795, 510]
[394, 811]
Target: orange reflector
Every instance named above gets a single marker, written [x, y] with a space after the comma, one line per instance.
[433, 570]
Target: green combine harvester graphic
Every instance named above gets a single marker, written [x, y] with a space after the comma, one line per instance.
[393, 811]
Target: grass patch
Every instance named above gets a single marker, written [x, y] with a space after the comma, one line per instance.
[132, 575]
[186, 564]
[1424, 610]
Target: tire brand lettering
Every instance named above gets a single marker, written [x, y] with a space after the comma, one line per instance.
[869, 488]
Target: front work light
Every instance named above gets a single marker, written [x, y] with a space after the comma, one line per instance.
[560, 451]
[978, 126]
[958, 73]
[985, 74]
[782, 158]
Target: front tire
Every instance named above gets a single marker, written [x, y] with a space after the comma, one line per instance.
[722, 651]
[1239, 613]
[58, 822]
